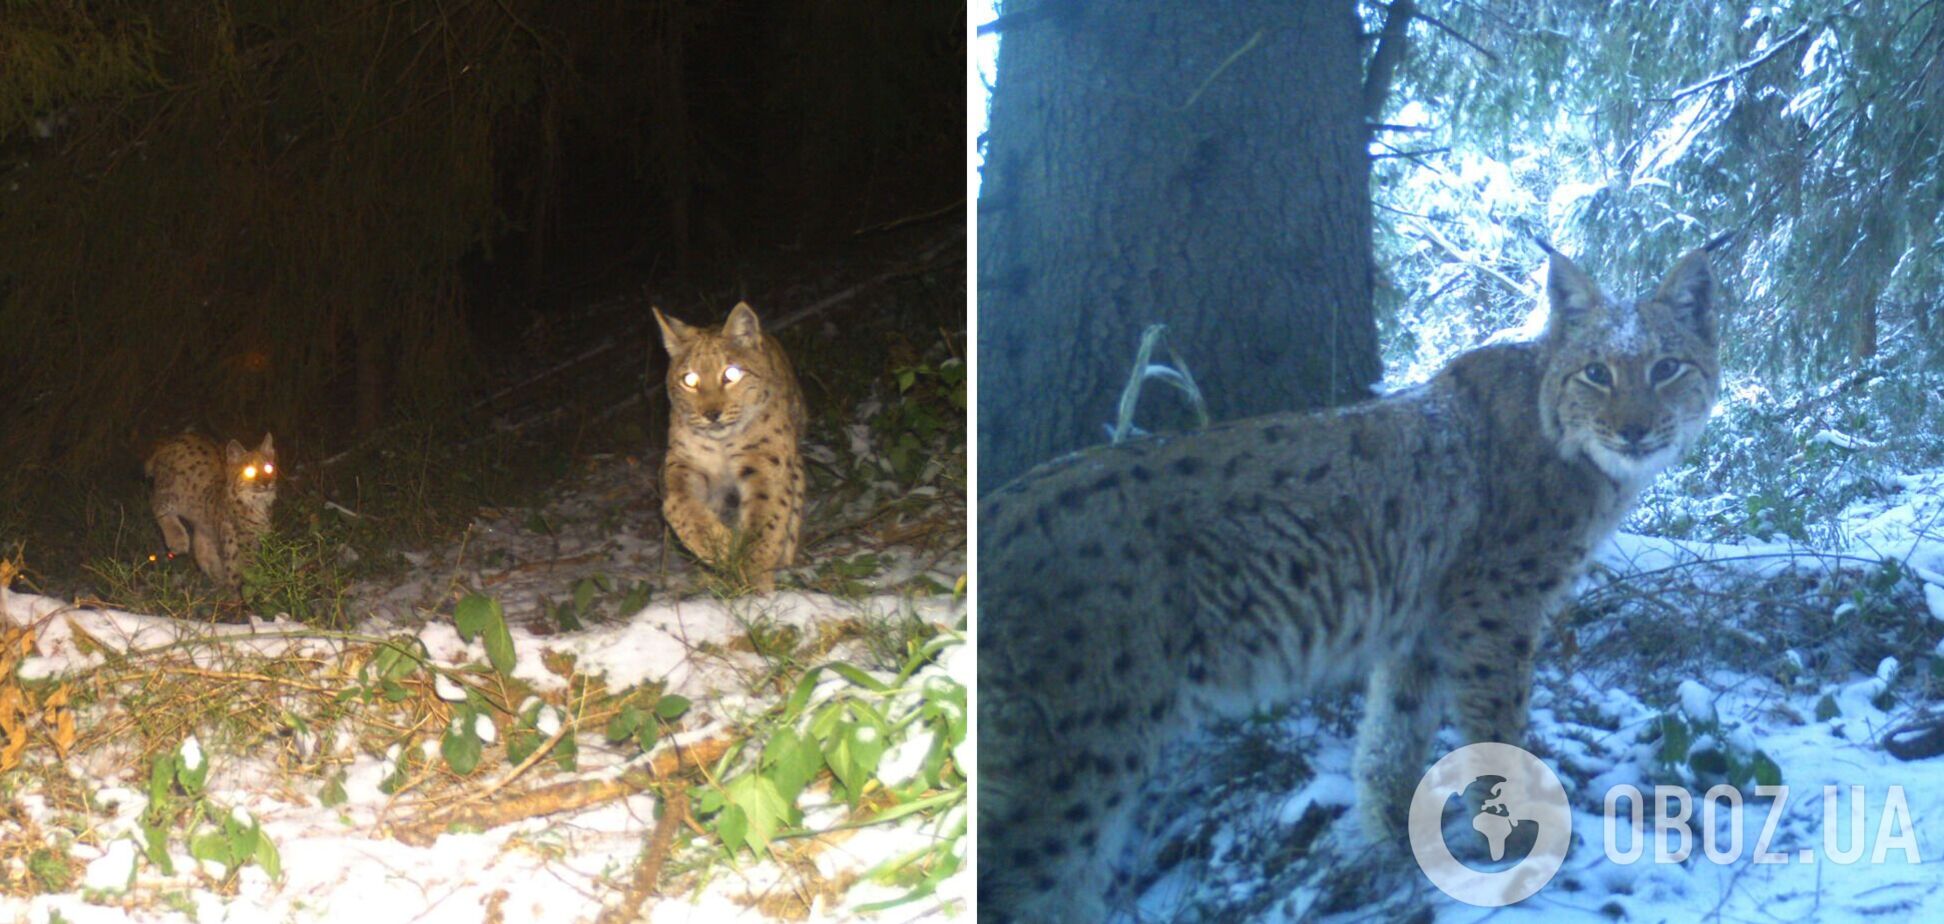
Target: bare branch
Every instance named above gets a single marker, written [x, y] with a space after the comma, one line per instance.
[1745, 66]
[1454, 33]
[1431, 234]
[1411, 154]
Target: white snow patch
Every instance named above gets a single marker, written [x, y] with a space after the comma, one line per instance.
[1697, 702]
[447, 689]
[114, 871]
[484, 728]
[1842, 440]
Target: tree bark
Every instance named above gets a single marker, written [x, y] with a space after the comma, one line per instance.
[1202, 165]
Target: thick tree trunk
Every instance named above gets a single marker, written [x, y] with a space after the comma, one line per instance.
[1201, 165]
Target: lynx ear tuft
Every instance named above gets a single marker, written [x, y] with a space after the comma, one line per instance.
[742, 326]
[234, 452]
[266, 447]
[1571, 295]
[675, 334]
[1689, 289]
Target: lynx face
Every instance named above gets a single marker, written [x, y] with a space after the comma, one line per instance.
[718, 379]
[252, 473]
[1629, 385]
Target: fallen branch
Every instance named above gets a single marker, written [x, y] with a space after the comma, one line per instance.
[647, 874]
[571, 796]
[1916, 740]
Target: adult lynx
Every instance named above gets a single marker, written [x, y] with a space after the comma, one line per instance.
[733, 473]
[1130, 593]
[215, 501]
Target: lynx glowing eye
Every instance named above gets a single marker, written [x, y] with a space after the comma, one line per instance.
[731, 375]
[690, 379]
[249, 473]
[269, 469]
[1597, 374]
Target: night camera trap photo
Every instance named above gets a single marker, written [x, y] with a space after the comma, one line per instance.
[1452, 461]
[484, 461]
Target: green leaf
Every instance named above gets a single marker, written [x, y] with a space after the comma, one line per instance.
[624, 723]
[792, 762]
[268, 857]
[460, 747]
[156, 847]
[583, 596]
[859, 677]
[243, 841]
[763, 808]
[1827, 709]
[671, 707]
[1675, 739]
[397, 659]
[799, 697]
[333, 793]
[733, 828]
[481, 616]
[1767, 772]
[1708, 763]
[213, 846]
[161, 786]
[565, 618]
[474, 614]
[521, 743]
[647, 735]
[499, 649]
[566, 754]
[853, 754]
[192, 779]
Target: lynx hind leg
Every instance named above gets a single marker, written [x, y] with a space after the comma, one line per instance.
[174, 535]
[793, 520]
[209, 556]
[1492, 674]
[1402, 711]
[770, 518]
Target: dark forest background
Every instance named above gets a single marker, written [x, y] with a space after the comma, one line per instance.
[329, 219]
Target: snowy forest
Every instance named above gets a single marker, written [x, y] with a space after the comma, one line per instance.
[337, 580]
[1772, 611]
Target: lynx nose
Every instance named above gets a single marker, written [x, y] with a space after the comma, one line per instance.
[1633, 433]
[713, 414]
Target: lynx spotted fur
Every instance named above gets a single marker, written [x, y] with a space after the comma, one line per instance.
[1416, 541]
[733, 473]
[214, 501]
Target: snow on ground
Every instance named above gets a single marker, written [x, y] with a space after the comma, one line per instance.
[338, 863]
[1251, 842]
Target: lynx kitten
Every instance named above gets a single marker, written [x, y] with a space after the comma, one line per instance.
[733, 474]
[1130, 593]
[215, 501]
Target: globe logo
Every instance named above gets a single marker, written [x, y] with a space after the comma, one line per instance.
[1518, 812]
